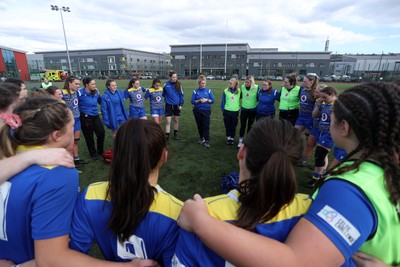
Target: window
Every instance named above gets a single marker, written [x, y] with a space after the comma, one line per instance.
[89, 59]
[310, 65]
[90, 67]
[322, 65]
[194, 57]
[112, 66]
[111, 59]
[63, 60]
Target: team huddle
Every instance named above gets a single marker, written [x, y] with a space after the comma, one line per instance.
[352, 218]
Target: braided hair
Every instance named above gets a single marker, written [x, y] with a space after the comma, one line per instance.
[373, 112]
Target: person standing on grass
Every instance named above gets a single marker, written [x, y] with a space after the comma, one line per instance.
[307, 102]
[174, 100]
[156, 102]
[46, 83]
[113, 108]
[266, 202]
[37, 203]
[289, 99]
[266, 101]
[130, 216]
[230, 106]
[89, 98]
[134, 92]
[249, 98]
[323, 110]
[70, 97]
[202, 98]
[356, 208]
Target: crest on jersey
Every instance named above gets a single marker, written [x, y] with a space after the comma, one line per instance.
[324, 117]
[303, 98]
[75, 101]
[158, 98]
[139, 96]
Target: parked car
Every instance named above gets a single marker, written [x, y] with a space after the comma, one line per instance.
[278, 78]
[260, 78]
[243, 77]
[210, 77]
[326, 78]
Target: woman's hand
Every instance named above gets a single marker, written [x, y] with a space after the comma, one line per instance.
[192, 212]
[364, 260]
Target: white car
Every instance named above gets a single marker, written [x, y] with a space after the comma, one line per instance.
[210, 77]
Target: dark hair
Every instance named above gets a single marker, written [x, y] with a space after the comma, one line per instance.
[373, 112]
[129, 190]
[69, 80]
[14, 81]
[8, 95]
[292, 79]
[131, 82]
[269, 84]
[329, 90]
[87, 80]
[52, 89]
[178, 86]
[156, 80]
[273, 148]
[40, 117]
[38, 92]
[108, 82]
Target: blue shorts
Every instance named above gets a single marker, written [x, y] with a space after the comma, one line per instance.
[77, 124]
[314, 132]
[325, 140]
[157, 112]
[339, 153]
[306, 122]
[135, 112]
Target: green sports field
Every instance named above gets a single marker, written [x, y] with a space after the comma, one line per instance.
[191, 168]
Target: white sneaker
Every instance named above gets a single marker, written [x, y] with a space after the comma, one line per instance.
[240, 142]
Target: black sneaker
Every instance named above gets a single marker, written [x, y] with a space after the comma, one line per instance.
[167, 139]
[206, 144]
[95, 157]
[201, 141]
[80, 162]
[176, 137]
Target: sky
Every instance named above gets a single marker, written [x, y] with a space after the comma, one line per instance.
[364, 27]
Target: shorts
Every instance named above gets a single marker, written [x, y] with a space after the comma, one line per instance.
[135, 112]
[172, 110]
[77, 124]
[339, 153]
[157, 112]
[314, 132]
[325, 140]
[306, 122]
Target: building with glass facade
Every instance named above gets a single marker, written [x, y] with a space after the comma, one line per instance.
[13, 63]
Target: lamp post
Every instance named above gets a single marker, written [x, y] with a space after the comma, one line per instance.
[65, 9]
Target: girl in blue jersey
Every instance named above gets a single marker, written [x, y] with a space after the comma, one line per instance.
[70, 97]
[17, 163]
[202, 98]
[323, 111]
[248, 110]
[355, 208]
[230, 106]
[89, 99]
[130, 216]
[266, 101]
[265, 202]
[113, 107]
[134, 92]
[156, 102]
[174, 100]
[37, 204]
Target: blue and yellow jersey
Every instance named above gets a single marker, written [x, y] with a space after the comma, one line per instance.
[71, 100]
[35, 204]
[306, 102]
[156, 101]
[190, 251]
[325, 119]
[135, 96]
[155, 238]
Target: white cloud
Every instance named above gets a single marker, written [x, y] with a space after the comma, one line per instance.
[154, 25]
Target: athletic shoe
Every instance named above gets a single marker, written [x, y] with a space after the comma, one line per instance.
[240, 143]
[80, 162]
[95, 157]
[176, 137]
[206, 144]
[201, 141]
[167, 139]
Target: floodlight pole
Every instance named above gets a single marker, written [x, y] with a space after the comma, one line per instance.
[65, 9]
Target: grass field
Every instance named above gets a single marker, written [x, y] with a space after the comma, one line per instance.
[191, 168]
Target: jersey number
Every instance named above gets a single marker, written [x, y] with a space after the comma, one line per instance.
[4, 195]
[131, 249]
